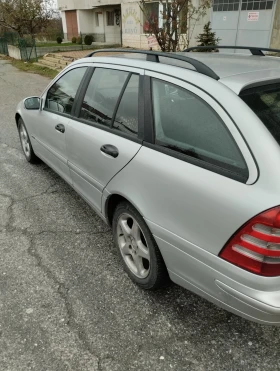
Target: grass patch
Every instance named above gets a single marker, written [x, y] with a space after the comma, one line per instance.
[47, 45]
[31, 67]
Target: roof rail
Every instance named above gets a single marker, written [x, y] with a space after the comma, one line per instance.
[255, 50]
[154, 57]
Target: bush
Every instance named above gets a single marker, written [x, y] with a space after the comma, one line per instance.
[79, 40]
[74, 40]
[88, 39]
[59, 40]
[207, 37]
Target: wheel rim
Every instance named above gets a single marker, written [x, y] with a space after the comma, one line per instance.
[133, 246]
[24, 140]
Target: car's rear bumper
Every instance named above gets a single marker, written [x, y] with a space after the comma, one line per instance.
[235, 302]
[259, 305]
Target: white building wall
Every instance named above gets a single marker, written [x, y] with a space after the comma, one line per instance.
[87, 24]
[112, 33]
[63, 17]
[132, 26]
[132, 22]
[100, 27]
[78, 21]
[197, 27]
[85, 21]
[84, 4]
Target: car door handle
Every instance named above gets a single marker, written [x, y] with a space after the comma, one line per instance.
[110, 150]
[60, 128]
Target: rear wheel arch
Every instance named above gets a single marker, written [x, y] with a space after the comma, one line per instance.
[17, 117]
[112, 202]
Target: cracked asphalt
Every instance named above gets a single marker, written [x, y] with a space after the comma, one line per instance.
[65, 302]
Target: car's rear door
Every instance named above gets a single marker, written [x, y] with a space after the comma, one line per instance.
[107, 131]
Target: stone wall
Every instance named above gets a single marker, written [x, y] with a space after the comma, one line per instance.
[99, 37]
[14, 52]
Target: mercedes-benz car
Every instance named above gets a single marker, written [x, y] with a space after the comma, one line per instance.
[179, 153]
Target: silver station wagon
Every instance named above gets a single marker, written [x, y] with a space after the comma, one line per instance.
[180, 154]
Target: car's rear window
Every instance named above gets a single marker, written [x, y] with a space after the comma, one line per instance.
[265, 102]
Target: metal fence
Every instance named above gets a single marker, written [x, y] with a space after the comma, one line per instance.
[26, 45]
[28, 48]
[3, 46]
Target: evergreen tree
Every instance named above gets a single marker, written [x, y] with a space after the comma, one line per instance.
[207, 37]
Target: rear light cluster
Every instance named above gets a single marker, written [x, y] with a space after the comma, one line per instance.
[256, 245]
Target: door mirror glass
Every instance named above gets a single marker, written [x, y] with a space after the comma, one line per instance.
[32, 103]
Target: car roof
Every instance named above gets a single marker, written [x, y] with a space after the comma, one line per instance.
[239, 71]
[236, 71]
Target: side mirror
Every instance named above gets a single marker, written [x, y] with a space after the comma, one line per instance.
[32, 103]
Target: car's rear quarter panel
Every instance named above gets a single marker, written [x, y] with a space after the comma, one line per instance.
[192, 212]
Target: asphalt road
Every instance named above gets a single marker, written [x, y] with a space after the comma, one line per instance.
[65, 302]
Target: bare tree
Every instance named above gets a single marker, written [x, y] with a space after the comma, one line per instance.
[174, 24]
[26, 16]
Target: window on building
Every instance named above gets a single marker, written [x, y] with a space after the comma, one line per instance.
[96, 19]
[102, 95]
[256, 4]
[110, 18]
[225, 5]
[126, 119]
[185, 124]
[60, 97]
[151, 16]
[154, 13]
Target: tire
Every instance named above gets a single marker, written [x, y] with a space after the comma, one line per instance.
[137, 248]
[26, 143]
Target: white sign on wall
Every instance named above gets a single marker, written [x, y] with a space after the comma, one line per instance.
[152, 41]
[131, 20]
[253, 16]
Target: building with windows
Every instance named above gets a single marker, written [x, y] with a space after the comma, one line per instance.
[236, 22]
[247, 22]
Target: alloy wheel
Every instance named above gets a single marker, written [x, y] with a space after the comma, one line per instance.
[133, 246]
[24, 140]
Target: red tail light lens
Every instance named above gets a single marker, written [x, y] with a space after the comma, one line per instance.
[256, 245]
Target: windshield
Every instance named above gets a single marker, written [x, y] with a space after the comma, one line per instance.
[265, 102]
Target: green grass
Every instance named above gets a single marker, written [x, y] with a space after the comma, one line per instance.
[48, 44]
[31, 67]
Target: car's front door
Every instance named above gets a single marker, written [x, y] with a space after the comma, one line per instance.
[105, 135]
[52, 125]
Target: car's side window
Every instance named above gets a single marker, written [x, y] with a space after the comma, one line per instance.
[186, 124]
[61, 96]
[126, 119]
[102, 95]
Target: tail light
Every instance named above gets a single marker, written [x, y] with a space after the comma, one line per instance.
[256, 245]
